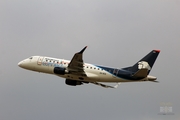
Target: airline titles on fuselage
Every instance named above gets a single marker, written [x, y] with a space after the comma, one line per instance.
[60, 63]
[53, 62]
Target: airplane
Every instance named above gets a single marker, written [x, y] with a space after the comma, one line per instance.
[77, 72]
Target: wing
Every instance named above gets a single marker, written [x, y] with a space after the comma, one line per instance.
[76, 64]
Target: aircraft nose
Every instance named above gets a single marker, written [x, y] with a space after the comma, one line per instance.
[20, 64]
[26, 64]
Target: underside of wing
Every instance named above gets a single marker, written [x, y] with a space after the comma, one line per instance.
[77, 82]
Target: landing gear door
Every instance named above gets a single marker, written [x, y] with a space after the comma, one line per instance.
[39, 62]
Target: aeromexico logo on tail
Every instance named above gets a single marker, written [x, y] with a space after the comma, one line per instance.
[143, 65]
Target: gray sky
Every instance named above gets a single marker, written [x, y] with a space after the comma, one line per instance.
[117, 32]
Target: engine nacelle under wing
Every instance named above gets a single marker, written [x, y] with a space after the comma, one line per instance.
[73, 82]
[59, 70]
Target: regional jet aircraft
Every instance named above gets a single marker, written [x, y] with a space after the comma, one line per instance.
[77, 72]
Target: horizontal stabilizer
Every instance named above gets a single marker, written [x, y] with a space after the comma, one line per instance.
[141, 73]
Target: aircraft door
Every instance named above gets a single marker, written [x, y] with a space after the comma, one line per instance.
[115, 72]
[39, 62]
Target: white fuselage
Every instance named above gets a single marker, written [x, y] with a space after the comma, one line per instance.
[93, 72]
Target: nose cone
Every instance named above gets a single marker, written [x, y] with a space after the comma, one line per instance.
[27, 64]
[20, 64]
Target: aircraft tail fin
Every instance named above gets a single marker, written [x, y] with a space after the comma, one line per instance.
[144, 66]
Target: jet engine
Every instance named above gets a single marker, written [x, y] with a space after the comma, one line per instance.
[59, 70]
[73, 82]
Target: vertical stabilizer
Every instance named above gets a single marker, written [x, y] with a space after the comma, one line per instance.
[146, 62]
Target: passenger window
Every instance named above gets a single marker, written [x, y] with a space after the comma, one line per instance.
[31, 58]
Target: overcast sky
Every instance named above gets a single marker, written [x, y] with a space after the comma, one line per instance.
[117, 32]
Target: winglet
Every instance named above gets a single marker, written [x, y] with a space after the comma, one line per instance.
[82, 50]
[157, 51]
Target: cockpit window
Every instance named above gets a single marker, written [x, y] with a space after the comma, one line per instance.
[31, 58]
